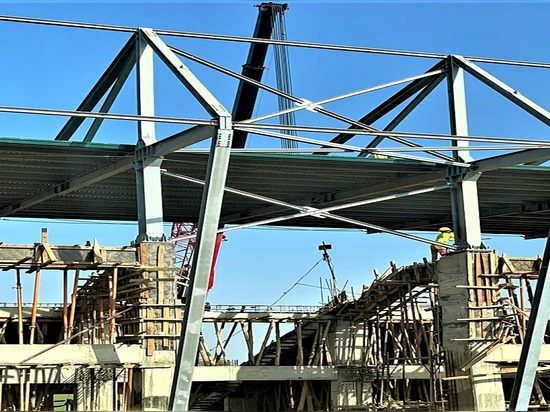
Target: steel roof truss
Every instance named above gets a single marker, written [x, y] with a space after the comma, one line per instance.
[349, 148]
[319, 213]
[457, 110]
[317, 106]
[403, 114]
[111, 97]
[511, 159]
[392, 102]
[197, 89]
[508, 92]
[100, 88]
[147, 167]
[349, 195]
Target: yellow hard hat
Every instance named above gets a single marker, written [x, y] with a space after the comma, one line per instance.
[445, 229]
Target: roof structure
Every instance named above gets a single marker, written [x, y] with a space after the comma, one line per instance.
[33, 169]
[356, 167]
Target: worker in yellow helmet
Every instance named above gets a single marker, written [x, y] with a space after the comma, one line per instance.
[445, 235]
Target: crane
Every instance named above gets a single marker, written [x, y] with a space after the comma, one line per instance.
[186, 236]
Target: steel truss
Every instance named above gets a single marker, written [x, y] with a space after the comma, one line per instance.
[463, 171]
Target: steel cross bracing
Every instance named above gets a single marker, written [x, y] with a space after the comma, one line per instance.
[454, 151]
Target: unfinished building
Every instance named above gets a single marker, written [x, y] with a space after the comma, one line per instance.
[464, 333]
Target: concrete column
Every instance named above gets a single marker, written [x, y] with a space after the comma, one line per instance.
[156, 388]
[346, 343]
[104, 391]
[346, 395]
[476, 386]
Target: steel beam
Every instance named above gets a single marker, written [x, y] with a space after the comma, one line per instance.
[148, 180]
[406, 183]
[164, 147]
[100, 88]
[465, 208]
[209, 218]
[464, 196]
[403, 114]
[182, 72]
[510, 93]
[354, 148]
[391, 103]
[457, 109]
[534, 337]
[511, 159]
[319, 213]
[110, 99]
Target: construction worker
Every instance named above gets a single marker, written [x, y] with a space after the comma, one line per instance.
[445, 235]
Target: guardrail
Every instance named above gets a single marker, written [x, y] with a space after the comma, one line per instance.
[213, 308]
[28, 305]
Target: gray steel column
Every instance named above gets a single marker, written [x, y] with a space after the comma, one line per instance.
[534, 337]
[464, 200]
[201, 265]
[218, 162]
[148, 177]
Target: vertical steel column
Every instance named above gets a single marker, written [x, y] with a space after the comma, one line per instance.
[464, 200]
[534, 338]
[200, 268]
[216, 174]
[148, 177]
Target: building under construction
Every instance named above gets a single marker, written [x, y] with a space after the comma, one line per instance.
[134, 331]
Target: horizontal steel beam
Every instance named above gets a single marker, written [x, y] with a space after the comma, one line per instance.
[511, 159]
[161, 148]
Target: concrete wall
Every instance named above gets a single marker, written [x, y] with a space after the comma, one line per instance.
[477, 387]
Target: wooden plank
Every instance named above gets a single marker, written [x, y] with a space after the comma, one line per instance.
[73, 302]
[300, 349]
[264, 343]
[65, 308]
[34, 306]
[19, 307]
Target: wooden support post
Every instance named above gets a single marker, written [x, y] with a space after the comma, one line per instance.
[103, 329]
[302, 401]
[249, 339]
[128, 401]
[224, 346]
[522, 304]
[264, 343]
[27, 390]
[220, 347]
[19, 307]
[65, 308]
[278, 344]
[22, 373]
[34, 305]
[205, 352]
[124, 406]
[166, 326]
[300, 350]
[113, 280]
[73, 303]
[313, 351]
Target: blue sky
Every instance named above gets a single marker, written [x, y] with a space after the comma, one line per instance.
[45, 66]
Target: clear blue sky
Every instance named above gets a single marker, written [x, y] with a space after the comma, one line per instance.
[54, 67]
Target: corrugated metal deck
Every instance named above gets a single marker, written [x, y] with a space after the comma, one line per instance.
[514, 200]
